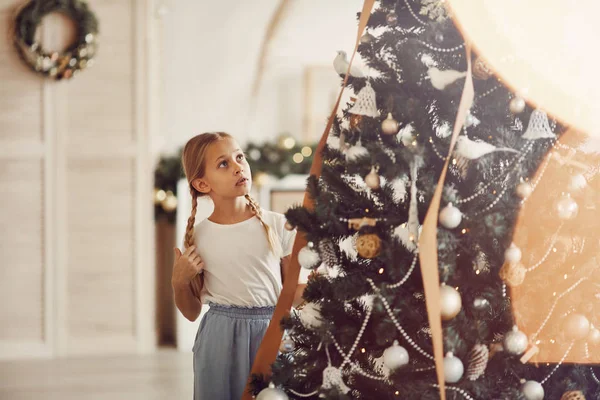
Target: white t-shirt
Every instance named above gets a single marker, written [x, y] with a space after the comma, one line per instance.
[239, 267]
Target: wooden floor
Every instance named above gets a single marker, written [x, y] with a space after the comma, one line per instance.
[165, 375]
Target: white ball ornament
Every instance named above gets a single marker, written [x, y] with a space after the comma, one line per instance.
[453, 368]
[450, 217]
[566, 208]
[451, 302]
[594, 336]
[512, 254]
[532, 390]
[515, 342]
[577, 182]
[524, 190]
[395, 356]
[576, 326]
[272, 393]
[308, 257]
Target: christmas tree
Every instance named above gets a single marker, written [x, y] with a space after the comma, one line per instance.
[516, 241]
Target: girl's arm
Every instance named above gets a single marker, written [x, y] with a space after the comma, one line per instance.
[186, 301]
[285, 264]
[186, 281]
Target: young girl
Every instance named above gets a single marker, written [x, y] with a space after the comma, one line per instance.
[236, 261]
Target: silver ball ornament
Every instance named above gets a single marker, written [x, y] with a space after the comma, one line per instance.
[512, 254]
[272, 393]
[451, 302]
[308, 258]
[515, 342]
[566, 208]
[395, 356]
[524, 190]
[532, 390]
[372, 180]
[453, 368]
[517, 105]
[450, 217]
[480, 303]
[576, 326]
[390, 126]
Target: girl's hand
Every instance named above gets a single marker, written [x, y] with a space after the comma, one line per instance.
[186, 266]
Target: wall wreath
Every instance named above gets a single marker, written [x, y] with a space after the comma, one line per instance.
[56, 65]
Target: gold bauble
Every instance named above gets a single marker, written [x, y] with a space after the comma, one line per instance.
[573, 395]
[368, 245]
[355, 121]
[513, 274]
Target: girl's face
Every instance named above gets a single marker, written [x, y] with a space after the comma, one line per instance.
[227, 173]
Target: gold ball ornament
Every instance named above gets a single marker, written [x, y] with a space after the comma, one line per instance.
[573, 395]
[390, 126]
[355, 121]
[481, 70]
[450, 302]
[372, 180]
[368, 245]
[513, 274]
[517, 105]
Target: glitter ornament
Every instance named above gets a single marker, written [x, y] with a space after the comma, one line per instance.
[532, 390]
[513, 274]
[515, 342]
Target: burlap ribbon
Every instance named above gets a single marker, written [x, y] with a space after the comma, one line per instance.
[270, 345]
[428, 256]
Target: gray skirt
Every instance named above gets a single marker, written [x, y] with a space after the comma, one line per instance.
[225, 347]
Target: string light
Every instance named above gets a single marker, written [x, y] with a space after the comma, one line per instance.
[381, 271]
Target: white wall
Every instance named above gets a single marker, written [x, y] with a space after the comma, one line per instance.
[210, 56]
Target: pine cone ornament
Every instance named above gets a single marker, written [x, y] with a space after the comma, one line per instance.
[478, 359]
[327, 252]
[573, 395]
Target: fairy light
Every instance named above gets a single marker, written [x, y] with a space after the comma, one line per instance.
[306, 151]
[298, 158]
[363, 350]
[464, 231]
[381, 271]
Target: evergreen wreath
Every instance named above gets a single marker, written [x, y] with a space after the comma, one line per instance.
[77, 57]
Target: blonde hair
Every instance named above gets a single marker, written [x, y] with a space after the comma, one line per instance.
[194, 166]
